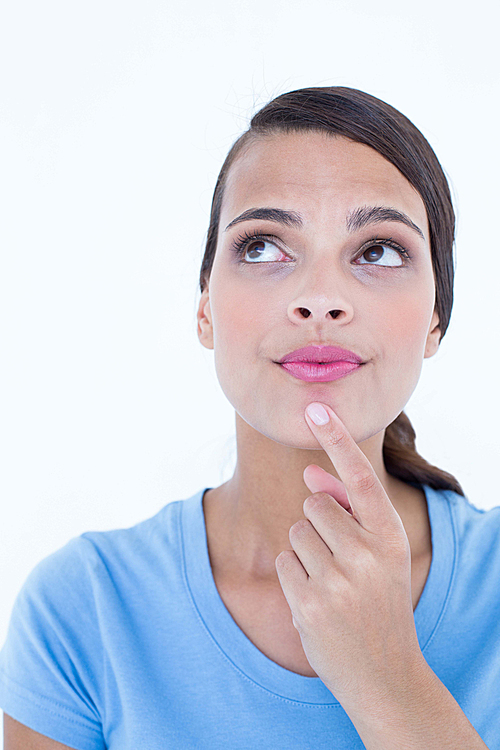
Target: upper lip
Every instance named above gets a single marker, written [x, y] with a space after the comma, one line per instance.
[315, 353]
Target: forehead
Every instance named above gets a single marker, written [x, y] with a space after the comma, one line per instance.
[314, 172]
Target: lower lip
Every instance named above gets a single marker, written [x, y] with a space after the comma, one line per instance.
[314, 372]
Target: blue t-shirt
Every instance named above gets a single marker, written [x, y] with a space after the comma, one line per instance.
[120, 640]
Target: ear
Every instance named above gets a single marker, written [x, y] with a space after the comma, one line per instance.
[432, 343]
[204, 317]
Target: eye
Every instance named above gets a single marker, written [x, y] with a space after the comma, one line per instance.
[254, 249]
[379, 250]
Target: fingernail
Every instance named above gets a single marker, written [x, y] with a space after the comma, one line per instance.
[318, 413]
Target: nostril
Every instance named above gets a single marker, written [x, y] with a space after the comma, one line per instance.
[306, 313]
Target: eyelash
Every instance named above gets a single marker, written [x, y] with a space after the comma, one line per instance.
[242, 242]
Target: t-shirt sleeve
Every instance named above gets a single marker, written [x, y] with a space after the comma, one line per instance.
[51, 661]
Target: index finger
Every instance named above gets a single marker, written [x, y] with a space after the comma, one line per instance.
[369, 501]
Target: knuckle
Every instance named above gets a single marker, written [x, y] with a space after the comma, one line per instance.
[368, 561]
[364, 481]
[400, 548]
[283, 559]
[310, 610]
[317, 499]
[299, 528]
[336, 439]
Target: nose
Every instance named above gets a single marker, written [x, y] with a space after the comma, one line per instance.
[319, 307]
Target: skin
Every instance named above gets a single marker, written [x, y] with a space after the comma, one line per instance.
[346, 581]
[252, 314]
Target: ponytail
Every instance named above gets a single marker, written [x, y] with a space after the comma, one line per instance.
[402, 460]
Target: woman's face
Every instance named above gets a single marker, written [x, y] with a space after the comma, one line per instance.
[277, 294]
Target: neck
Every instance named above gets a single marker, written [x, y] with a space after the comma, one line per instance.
[248, 518]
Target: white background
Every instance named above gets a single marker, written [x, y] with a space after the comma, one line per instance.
[115, 118]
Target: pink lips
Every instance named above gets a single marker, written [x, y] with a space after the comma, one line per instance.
[320, 363]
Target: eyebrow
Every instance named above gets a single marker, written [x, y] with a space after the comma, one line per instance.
[289, 218]
[364, 215]
[355, 220]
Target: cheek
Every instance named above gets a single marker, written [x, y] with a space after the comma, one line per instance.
[409, 323]
[236, 322]
[240, 324]
[404, 336]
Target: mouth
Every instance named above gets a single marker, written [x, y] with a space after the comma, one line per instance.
[319, 372]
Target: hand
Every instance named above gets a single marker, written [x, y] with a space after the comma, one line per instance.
[347, 580]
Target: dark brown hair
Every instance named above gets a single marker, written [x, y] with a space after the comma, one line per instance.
[356, 115]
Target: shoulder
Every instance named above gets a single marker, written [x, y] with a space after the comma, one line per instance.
[470, 516]
[69, 582]
[71, 608]
[476, 530]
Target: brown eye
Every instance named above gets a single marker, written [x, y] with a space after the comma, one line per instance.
[374, 253]
[255, 249]
[390, 255]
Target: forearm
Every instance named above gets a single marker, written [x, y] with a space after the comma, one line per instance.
[424, 716]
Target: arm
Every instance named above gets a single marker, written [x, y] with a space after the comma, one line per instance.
[17, 736]
[427, 717]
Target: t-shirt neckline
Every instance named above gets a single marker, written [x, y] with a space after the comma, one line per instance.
[239, 651]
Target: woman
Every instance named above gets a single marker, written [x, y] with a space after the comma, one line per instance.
[327, 280]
